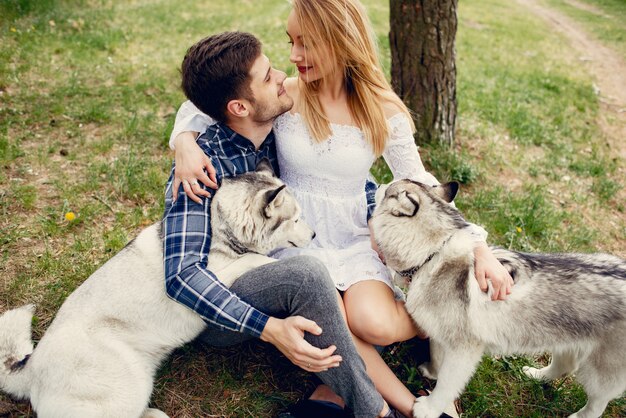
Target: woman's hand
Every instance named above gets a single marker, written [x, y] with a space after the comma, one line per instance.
[488, 268]
[374, 244]
[191, 162]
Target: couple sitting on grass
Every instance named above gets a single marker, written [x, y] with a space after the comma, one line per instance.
[327, 306]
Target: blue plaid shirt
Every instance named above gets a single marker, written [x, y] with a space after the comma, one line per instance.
[188, 235]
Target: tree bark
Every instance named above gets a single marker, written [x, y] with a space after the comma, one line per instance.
[423, 69]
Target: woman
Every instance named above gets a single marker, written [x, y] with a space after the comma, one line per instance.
[345, 115]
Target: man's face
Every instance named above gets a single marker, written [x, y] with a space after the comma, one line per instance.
[270, 99]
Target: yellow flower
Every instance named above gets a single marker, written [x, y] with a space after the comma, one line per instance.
[518, 229]
[70, 216]
[13, 30]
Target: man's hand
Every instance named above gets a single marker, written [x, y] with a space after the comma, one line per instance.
[191, 162]
[288, 336]
[488, 268]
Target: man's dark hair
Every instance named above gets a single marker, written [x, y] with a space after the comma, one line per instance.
[216, 71]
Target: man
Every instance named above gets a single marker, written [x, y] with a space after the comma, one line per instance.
[290, 303]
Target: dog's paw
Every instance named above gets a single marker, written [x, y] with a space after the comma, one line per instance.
[532, 372]
[422, 408]
[154, 413]
[428, 370]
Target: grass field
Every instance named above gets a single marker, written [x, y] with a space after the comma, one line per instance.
[88, 94]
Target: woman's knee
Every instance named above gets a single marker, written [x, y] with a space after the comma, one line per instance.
[372, 326]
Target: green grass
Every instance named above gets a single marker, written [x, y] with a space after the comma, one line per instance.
[88, 94]
[527, 220]
[527, 398]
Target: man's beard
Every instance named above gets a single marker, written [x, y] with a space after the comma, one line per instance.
[264, 114]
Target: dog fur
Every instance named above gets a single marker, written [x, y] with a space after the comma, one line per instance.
[572, 305]
[99, 356]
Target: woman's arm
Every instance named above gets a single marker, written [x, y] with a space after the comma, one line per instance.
[190, 164]
[190, 161]
[189, 119]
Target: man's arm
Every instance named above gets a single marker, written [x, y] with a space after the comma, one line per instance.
[188, 281]
[187, 239]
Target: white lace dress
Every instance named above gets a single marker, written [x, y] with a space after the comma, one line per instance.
[328, 180]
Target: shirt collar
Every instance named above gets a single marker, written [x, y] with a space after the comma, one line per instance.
[240, 140]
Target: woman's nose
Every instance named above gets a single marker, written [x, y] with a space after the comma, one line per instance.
[295, 54]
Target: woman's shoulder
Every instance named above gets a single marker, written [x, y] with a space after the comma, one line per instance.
[392, 106]
[397, 117]
[291, 87]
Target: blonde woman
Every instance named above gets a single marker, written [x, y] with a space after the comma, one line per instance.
[345, 115]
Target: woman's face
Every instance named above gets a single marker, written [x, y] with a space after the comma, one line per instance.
[302, 55]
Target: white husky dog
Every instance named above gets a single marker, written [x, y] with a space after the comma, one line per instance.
[99, 356]
[572, 305]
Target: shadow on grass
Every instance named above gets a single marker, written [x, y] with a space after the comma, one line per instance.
[245, 380]
[13, 9]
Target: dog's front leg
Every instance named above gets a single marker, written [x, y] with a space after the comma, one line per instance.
[456, 369]
[431, 369]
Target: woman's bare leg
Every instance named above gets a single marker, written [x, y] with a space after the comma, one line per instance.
[386, 382]
[375, 316]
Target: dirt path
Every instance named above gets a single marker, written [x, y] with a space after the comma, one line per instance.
[607, 68]
[587, 8]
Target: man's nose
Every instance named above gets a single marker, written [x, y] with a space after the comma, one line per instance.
[280, 77]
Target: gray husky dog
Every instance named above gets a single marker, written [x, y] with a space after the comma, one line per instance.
[572, 305]
[99, 356]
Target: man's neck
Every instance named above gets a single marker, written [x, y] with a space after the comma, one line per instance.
[252, 131]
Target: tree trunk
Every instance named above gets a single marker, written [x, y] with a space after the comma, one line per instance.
[423, 70]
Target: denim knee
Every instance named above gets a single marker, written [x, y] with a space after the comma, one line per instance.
[313, 275]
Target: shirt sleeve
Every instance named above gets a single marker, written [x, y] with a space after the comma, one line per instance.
[402, 157]
[370, 194]
[187, 239]
[189, 118]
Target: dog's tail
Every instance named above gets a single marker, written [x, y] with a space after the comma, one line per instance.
[16, 346]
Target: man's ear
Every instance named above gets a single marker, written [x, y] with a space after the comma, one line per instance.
[238, 108]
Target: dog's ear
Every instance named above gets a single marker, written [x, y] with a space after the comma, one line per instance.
[265, 167]
[380, 193]
[273, 200]
[406, 204]
[447, 191]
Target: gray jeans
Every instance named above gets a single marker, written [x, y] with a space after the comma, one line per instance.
[302, 286]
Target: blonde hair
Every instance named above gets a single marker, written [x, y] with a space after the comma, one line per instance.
[340, 32]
